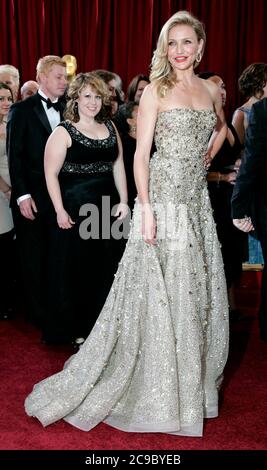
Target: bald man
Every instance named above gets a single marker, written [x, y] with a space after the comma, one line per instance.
[28, 88]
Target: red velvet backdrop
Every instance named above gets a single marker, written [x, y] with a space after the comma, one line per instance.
[120, 35]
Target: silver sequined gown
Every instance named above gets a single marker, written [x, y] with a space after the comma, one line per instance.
[155, 358]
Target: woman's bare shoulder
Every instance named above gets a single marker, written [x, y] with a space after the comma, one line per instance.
[150, 91]
[149, 98]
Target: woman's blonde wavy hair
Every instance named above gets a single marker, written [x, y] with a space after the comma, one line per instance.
[162, 74]
[77, 85]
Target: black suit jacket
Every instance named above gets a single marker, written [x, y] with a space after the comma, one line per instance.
[250, 191]
[27, 132]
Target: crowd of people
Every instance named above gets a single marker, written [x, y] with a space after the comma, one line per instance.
[127, 216]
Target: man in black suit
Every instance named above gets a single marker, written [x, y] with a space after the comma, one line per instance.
[249, 201]
[30, 123]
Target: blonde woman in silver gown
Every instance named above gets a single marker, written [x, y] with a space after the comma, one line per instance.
[155, 357]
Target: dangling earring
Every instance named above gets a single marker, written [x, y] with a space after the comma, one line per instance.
[132, 129]
[75, 108]
[198, 57]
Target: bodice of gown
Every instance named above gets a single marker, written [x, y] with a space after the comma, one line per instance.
[177, 171]
[86, 174]
[87, 156]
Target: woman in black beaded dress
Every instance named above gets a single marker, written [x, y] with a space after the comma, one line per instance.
[83, 164]
[221, 178]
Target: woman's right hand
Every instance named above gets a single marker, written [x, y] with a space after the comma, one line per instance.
[149, 228]
[64, 220]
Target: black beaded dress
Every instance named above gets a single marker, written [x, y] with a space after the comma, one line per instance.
[84, 258]
[232, 240]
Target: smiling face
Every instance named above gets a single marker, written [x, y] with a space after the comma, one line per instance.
[5, 102]
[183, 47]
[89, 102]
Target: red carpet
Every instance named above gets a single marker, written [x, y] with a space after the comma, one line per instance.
[242, 420]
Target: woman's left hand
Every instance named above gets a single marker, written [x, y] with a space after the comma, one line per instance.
[122, 211]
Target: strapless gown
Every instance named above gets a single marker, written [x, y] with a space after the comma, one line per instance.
[154, 360]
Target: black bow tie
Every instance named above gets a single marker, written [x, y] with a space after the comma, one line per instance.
[49, 103]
